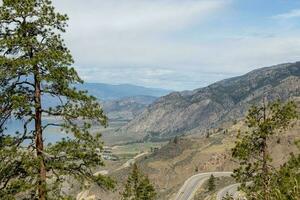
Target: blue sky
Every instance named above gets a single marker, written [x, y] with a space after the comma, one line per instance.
[178, 44]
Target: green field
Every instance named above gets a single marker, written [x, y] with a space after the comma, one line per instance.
[131, 150]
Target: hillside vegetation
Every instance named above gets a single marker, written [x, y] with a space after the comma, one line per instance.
[210, 107]
[171, 165]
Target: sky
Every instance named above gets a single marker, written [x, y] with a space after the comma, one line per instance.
[179, 44]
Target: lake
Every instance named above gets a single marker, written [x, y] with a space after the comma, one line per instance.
[50, 134]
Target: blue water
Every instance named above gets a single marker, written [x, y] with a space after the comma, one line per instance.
[50, 134]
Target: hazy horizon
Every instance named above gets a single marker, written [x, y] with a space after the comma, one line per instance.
[179, 45]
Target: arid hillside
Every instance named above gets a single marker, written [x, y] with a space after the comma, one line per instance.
[171, 165]
[209, 107]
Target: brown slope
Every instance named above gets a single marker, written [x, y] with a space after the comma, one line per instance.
[208, 107]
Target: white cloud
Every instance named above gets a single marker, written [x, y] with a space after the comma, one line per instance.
[184, 65]
[288, 15]
[135, 15]
[136, 41]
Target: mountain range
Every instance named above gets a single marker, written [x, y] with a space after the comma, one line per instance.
[127, 108]
[222, 102]
[106, 92]
[119, 101]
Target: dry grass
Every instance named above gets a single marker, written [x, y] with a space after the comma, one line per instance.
[170, 166]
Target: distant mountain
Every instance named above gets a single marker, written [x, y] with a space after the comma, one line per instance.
[125, 93]
[224, 101]
[127, 108]
[114, 92]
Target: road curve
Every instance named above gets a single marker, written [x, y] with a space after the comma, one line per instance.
[131, 161]
[190, 186]
[231, 190]
[84, 195]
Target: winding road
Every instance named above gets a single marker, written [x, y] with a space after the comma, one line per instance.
[190, 186]
[131, 161]
[84, 195]
[231, 190]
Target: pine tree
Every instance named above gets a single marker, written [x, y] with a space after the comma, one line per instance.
[285, 183]
[207, 133]
[252, 150]
[211, 183]
[5, 105]
[176, 140]
[138, 187]
[35, 65]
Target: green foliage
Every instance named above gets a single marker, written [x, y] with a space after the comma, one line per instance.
[138, 187]
[251, 149]
[35, 65]
[207, 133]
[285, 184]
[211, 183]
[175, 140]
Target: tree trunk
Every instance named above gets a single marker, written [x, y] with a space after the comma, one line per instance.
[265, 157]
[39, 137]
[265, 171]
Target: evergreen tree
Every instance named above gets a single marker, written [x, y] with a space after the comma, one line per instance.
[176, 140]
[138, 187]
[285, 184]
[207, 133]
[5, 105]
[211, 183]
[252, 148]
[35, 65]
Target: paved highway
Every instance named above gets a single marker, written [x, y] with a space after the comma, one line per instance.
[84, 195]
[189, 188]
[231, 190]
[131, 161]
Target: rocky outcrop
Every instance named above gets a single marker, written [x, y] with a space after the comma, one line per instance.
[127, 108]
[209, 107]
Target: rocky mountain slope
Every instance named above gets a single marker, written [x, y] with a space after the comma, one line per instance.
[107, 92]
[127, 108]
[171, 165]
[210, 107]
